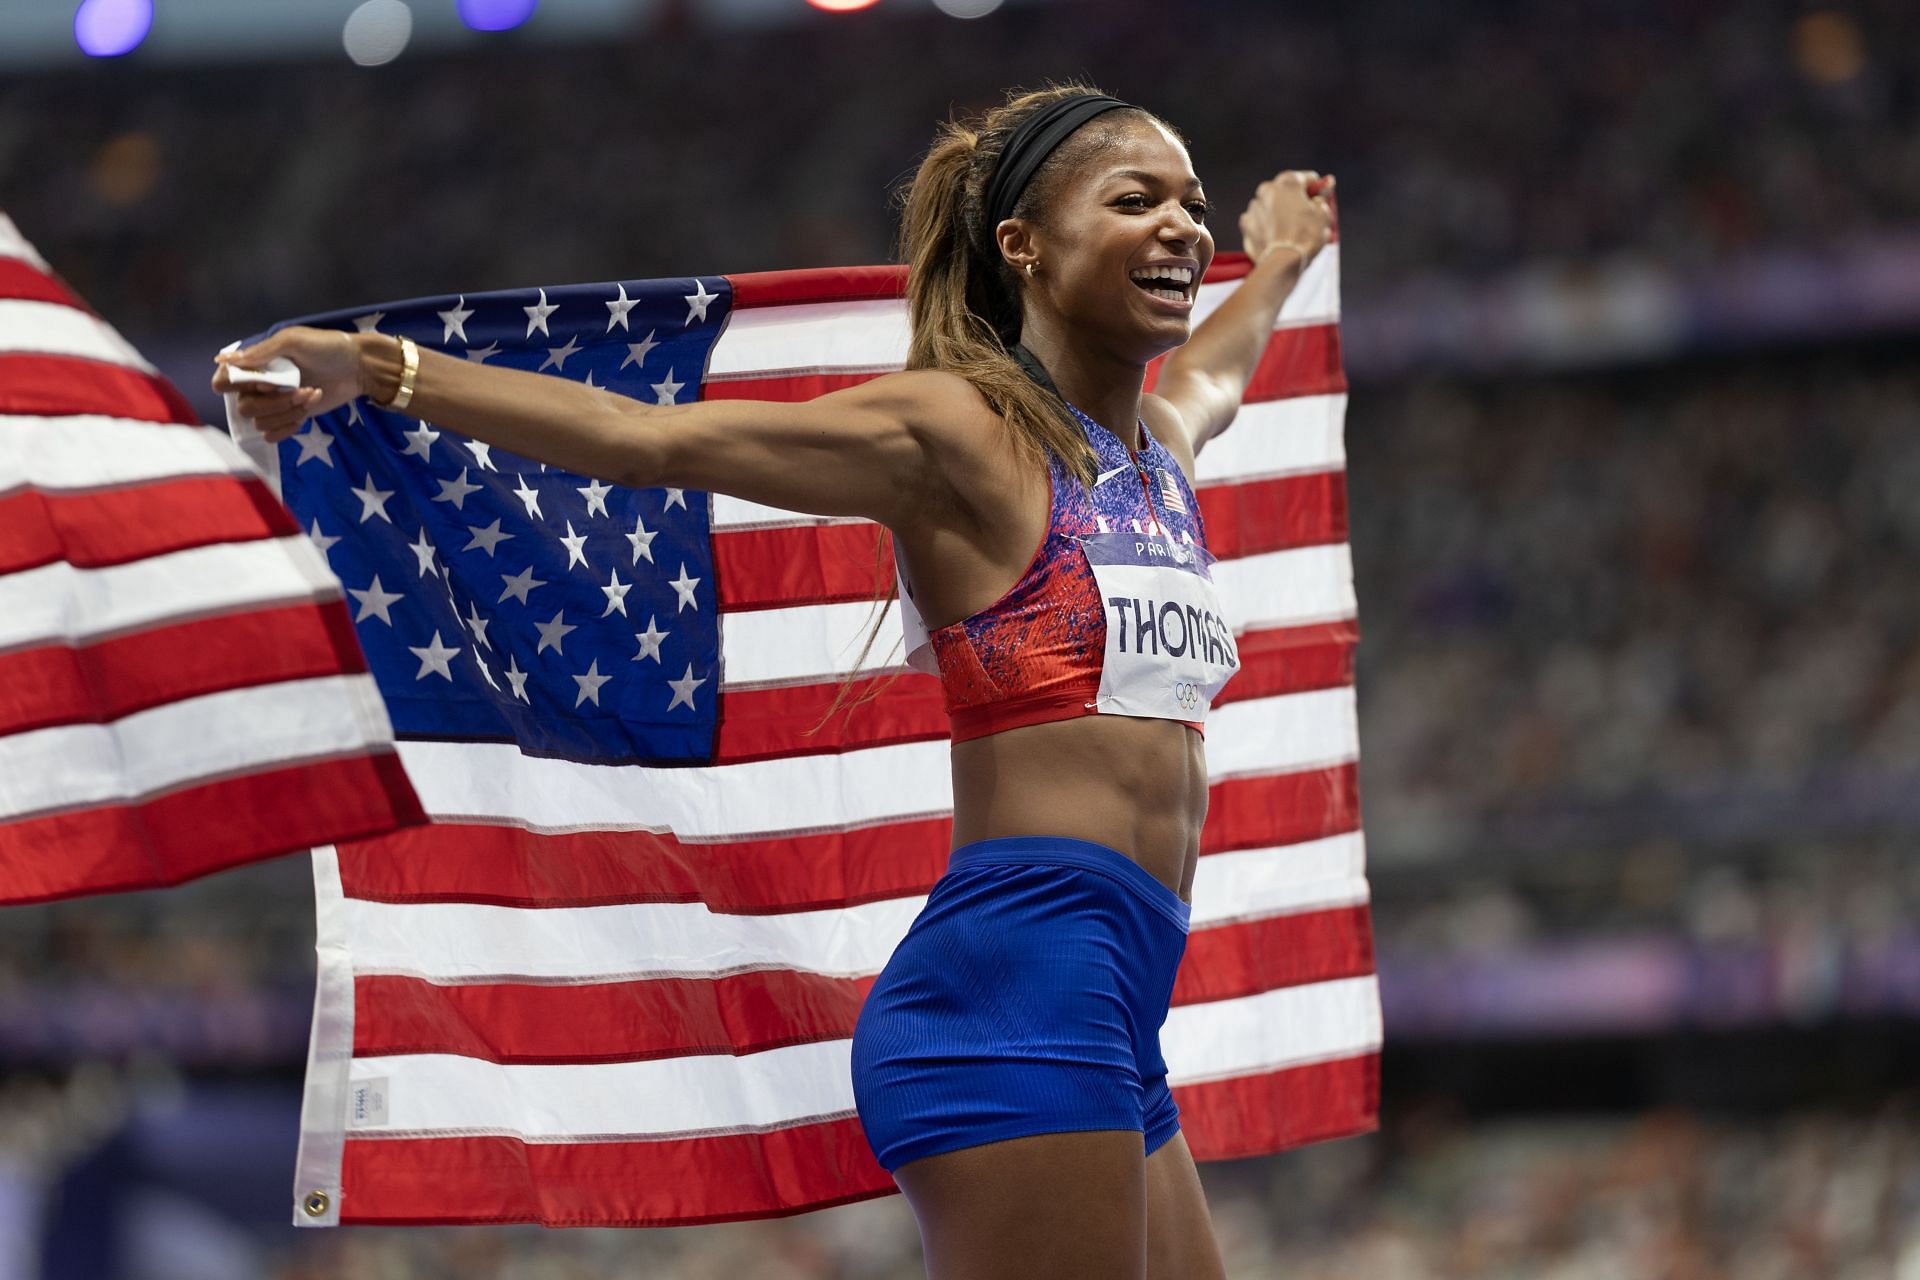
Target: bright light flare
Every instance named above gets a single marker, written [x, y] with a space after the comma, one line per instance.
[842, 6]
[109, 28]
[495, 15]
[377, 31]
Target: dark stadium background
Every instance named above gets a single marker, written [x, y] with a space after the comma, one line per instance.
[1631, 298]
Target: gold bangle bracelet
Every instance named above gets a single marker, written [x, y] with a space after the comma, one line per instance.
[1299, 251]
[409, 369]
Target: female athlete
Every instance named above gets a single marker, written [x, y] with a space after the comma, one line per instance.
[1006, 1064]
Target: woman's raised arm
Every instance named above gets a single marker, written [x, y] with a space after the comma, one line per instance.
[867, 451]
[1288, 222]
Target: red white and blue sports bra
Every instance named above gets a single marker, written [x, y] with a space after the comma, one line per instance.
[1116, 613]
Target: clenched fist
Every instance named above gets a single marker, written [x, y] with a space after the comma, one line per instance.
[1293, 209]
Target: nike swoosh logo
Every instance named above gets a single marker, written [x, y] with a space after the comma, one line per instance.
[1105, 476]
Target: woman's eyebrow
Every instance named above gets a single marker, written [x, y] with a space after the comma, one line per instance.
[1150, 179]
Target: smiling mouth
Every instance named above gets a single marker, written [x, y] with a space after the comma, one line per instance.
[1175, 284]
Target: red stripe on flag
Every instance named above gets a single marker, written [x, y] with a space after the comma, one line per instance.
[764, 724]
[108, 527]
[27, 283]
[803, 871]
[817, 284]
[1225, 961]
[787, 388]
[104, 681]
[198, 829]
[1257, 516]
[504, 866]
[1282, 660]
[1303, 360]
[664, 1182]
[528, 1023]
[645, 1019]
[1281, 808]
[51, 386]
[1259, 1114]
[801, 565]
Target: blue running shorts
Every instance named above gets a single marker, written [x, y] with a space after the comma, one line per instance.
[1027, 997]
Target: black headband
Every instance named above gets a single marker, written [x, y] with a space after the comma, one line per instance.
[1038, 136]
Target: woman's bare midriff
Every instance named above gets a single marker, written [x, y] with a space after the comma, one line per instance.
[1134, 784]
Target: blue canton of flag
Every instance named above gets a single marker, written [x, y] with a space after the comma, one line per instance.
[498, 599]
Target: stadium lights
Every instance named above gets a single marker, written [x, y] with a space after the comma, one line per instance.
[966, 8]
[842, 6]
[109, 28]
[495, 15]
[377, 31]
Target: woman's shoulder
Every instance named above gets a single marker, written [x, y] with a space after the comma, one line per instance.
[939, 403]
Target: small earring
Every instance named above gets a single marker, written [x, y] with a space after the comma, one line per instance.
[1030, 271]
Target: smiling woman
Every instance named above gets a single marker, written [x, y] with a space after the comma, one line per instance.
[1055, 575]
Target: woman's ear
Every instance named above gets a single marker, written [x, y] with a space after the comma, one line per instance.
[1017, 247]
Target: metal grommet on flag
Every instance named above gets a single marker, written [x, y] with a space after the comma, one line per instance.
[316, 1204]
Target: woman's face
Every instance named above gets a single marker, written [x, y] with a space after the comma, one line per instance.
[1123, 243]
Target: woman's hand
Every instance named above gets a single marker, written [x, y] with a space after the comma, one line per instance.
[1293, 212]
[330, 375]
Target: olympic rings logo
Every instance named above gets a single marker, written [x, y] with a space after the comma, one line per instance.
[1186, 694]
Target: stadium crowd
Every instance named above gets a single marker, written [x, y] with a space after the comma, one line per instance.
[194, 208]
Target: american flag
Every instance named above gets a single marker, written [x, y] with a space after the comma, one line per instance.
[614, 981]
[180, 690]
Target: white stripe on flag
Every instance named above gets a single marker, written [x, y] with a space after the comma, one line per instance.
[57, 602]
[15, 245]
[810, 643]
[53, 328]
[493, 782]
[469, 942]
[700, 1093]
[1252, 884]
[1277, 438]
[212, 736]
[87, 451]
[1284, 1027]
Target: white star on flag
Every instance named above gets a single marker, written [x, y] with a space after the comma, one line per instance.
[313, 443]
[642, 540]
[420, 442]
[424, 551]
[683, 587]
[650, 640]
[373, 502]
[590, 684]
[456, 491]
[369, 323]
[530, 496]
[479, 354]
[537, 315]
[557, 356]
[616, 592]
[374, 602]
[553, 632]
[480, 662]
[482, 454]
[486, 539]
[674, 496]
[596, 495]
[683, 689]
[519, 585]
[324, 543]
[516, 677]
[576, 544]
[478, 625]
[456, 321]
[637, 351]
[618, 308]
[434, 658]
[698, 302]
[668, 389]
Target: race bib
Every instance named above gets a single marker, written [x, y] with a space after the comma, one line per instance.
[1169, 648]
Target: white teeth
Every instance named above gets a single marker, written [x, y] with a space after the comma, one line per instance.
[1171, 295]
[1183, 274]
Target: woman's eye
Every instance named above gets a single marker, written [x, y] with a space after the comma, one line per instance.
[1134, 201]
[1199, 209]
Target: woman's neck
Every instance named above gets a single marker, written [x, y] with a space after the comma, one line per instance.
[1106, 390]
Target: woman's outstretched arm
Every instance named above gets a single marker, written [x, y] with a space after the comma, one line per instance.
[1284, 228]
[871, 450]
